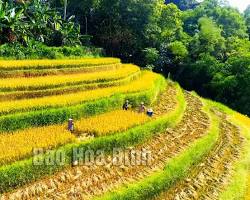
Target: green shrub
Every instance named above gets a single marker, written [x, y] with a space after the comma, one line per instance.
[40, 51]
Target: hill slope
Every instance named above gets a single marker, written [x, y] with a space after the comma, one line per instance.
[191, 148]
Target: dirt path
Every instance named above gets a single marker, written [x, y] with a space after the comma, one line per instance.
[208, 178]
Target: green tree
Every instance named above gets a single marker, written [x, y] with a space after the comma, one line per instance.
[165, 24]
[208, 39]
[198, 75]
[11, 25]
[237, 46]
[232, 84]
[83, 11]
[151, 57]
[36, 20]
[184, 4]
[119, 26]
[178, 50]
[247, 19]
[231, 21]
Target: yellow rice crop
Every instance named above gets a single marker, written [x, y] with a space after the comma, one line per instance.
[146, 82]
[111, 122]
[243, 119]
[20, 144]
[62, 80]
[42, 64]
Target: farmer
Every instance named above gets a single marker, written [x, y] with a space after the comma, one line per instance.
[150, 112]
[125, 105]
[71, 125]
[142, 108]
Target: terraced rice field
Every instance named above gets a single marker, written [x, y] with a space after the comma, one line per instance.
[7, 107]
[54, 81]
[191, 148]
[206, 180]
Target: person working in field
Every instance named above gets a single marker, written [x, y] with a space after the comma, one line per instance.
[142, 108]
[71, 125]
[126, 105]
[150, 112]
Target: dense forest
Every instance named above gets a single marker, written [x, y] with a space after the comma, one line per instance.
[203, 45]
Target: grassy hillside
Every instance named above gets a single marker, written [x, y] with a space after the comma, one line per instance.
[191, 148]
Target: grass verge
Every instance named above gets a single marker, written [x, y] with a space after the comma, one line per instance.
[238, 187]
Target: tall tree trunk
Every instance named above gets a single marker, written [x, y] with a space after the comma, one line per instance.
[65, 9]
[86, 25]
